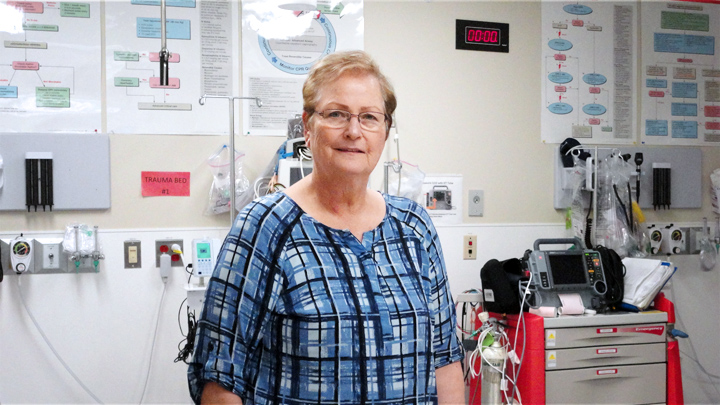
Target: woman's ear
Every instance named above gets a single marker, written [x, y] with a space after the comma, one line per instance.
[306, 128]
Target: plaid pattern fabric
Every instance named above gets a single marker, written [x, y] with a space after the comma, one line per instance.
[297, 312]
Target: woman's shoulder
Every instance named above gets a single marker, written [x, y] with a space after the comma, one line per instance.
[407, 211]
[272, 209]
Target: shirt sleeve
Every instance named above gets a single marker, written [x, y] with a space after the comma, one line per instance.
[241, 294]
[446, 344]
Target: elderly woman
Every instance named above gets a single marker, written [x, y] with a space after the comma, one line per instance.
[331, 292]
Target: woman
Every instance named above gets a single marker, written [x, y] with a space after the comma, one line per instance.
[331, 292]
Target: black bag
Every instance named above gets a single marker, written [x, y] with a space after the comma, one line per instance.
[500, 285]
[614, 270]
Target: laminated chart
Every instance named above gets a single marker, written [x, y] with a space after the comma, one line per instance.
[280, 46]
[588, 80]
[50, 67]
[202, 41]
[681, 73]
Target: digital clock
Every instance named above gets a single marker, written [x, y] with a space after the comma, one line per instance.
[482, 36]
[476, 35]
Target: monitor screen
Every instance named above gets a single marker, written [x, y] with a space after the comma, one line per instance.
[567, 269]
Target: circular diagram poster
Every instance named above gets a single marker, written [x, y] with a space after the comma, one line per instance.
[280, 46]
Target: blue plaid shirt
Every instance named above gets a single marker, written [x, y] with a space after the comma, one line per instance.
[297, 312]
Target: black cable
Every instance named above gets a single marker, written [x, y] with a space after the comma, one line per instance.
[186, 350]
[630, 210]
[589, 224]
[624, 209]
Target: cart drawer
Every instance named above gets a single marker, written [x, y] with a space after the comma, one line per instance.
[638, 384]
[561, 338]
[600, 356]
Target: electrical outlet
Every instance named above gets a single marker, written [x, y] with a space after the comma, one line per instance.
[133, 256]
[165, 246]
[470, 247]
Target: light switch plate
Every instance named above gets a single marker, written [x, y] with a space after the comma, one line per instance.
[132, 253]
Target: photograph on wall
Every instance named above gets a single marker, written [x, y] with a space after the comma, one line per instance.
[442, 198]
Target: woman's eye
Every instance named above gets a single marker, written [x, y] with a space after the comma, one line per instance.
[335, 114]
[368, 117]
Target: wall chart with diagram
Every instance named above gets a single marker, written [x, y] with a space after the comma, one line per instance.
[680, 73]
[279, 47]
[202, 40]
[50, 67]
[588, 64]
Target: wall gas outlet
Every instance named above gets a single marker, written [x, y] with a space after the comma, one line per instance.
[470, 247]
[475, 203]
[165, 246]
[49, 256]
[133, 256]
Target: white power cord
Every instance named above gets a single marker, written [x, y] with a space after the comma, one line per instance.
[693, 357]
[52, 348]
[152, 347]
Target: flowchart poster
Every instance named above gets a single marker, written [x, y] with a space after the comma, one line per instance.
[50, 66]
[589, 70]
[201, 37]
[280, 46]
[680, 73]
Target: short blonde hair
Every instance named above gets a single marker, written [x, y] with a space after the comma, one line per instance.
[332, 66]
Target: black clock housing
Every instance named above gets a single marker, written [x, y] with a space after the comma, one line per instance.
[482, 36]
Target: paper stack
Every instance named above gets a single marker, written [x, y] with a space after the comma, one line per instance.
[644, 278]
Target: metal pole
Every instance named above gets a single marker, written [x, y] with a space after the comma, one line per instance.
[164, 54]
[232, 159]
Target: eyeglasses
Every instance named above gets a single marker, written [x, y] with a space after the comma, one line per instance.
[337, 119]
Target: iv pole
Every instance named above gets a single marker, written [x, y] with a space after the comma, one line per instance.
[231, 100]
[164, 54]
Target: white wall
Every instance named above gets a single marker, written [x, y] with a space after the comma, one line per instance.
[473, 113]
[102, 324]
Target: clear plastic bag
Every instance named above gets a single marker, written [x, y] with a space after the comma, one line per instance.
[617, 227]
[409, 180]
[219, 199]
[79, 238]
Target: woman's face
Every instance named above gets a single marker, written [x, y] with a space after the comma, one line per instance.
[351, 150]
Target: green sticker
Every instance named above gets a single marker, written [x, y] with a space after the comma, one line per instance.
[53, 97]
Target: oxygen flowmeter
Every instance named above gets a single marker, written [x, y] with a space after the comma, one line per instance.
[20, 254]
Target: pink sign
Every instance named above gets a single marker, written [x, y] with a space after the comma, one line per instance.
[156, 184]
[594, 90]
[712, 125]
[26, 65]
[173, 83]
[712, 111]
[34, 7]
[560, 89]
[560, 56]
[155, 57]
[594, 121]
[657, 94]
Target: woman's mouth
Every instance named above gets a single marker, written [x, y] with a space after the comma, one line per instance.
[350, 150]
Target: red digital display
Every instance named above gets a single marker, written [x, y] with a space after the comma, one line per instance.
[487, 36]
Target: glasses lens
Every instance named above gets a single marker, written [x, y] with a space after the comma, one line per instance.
[371, 121]
[336, 118]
